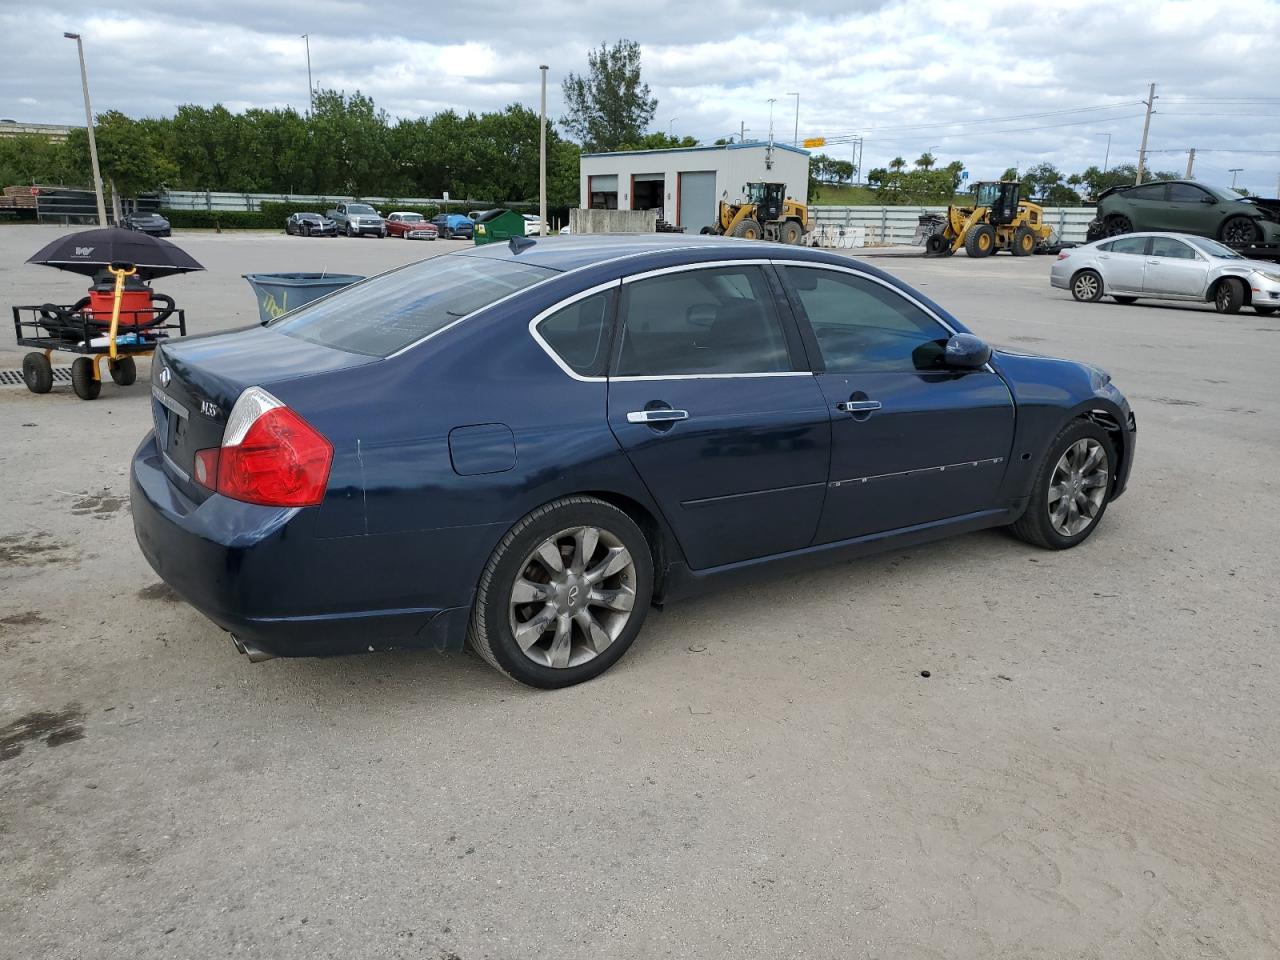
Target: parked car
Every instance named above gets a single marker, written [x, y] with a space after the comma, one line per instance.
[1168, 266]
[454, 225]
[151, 223]
[310, 225]
[533, 227]
[412, 226]
[1186, 206]
[524, 450]
[357, 220]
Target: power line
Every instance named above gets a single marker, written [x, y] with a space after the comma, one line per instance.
[990, 133]
[985, 120]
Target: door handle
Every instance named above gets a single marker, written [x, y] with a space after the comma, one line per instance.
[858, 406]
[1154, 263]
[664, 415]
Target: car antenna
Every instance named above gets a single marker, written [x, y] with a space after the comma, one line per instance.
[518, 244]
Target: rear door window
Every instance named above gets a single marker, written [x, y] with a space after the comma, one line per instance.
[713, 320]
[1134, 246]
[1186, 193]
[389, 312]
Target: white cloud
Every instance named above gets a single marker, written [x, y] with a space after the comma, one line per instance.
[859, 67]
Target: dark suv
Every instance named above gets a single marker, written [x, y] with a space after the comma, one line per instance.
[1184, 206]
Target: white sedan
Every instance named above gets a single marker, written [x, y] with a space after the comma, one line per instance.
[1168, 266]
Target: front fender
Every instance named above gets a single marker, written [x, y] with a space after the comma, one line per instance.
[1048, 393]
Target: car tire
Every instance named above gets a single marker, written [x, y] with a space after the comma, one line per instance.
[1228, 296]
[1086, 286]
[123, 371]
[1069, 470]
[82, 381]
[981, 241]
[792, 233]
[37, 373]
[1125, 300]
[1024, 242]
[1239, 230]
[1116, 224]
[569, 638]
[1266, 311]
[350, 232]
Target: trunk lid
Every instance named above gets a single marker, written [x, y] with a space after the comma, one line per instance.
[196, 381]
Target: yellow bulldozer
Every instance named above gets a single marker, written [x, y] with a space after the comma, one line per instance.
[998, 220]
[765, 213]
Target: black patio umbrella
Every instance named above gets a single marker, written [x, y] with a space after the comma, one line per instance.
[90, 251]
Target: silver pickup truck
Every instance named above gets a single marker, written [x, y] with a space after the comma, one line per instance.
[357, 219]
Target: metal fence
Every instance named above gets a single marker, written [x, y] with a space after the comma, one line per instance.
[890, 225]
[251, 202]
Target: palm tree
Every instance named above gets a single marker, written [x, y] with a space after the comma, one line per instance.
[926, 161]
[896, 164]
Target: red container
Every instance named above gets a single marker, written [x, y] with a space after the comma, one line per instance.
[135, 303]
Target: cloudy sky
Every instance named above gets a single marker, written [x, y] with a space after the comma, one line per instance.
[908, 76]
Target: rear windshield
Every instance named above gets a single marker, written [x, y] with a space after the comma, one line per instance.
[391, 311]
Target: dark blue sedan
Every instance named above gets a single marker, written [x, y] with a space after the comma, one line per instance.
[524, 447]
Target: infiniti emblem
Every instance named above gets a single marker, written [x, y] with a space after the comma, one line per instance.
[573, 595]
[165, 376]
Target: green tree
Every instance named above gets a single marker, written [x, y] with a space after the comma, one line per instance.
[128, 154]
[926, 161]
[897, 164]
[610, 105]
[34, 159]
[658, 141]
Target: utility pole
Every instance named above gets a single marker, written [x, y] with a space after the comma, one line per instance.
[1233, 171]
[1106, 159]
[542, 158]
[1146, 126]
[311, 89]
[88, 120]
[1191, 161]
[742, 131]
[795, 137]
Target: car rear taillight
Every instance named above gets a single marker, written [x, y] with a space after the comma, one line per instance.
[1062, 255]
[269, 455]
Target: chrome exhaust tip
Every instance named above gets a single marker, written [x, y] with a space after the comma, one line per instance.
[254, 653]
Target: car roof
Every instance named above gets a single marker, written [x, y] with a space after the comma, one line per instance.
[582, 250]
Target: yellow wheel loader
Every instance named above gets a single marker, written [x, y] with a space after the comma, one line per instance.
[998, 220]
[766, 213]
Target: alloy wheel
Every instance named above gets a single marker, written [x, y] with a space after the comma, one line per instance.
[1086, 286]
[1078, 487]
[573, 598]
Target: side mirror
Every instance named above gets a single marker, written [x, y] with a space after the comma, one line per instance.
[966, 352]
[1209, 200]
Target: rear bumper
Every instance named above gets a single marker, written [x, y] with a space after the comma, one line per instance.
[257, 573]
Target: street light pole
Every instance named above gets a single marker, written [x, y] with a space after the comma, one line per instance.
[1233, 171]
[795, 137]
[671, 126]
[542, 158]
[311, 90]
[88, 120]
[1106, 160]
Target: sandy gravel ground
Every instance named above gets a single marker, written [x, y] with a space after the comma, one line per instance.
[1090, 771]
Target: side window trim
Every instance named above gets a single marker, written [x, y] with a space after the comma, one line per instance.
[796, 349]
[611, 324]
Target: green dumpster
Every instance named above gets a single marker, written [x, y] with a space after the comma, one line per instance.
[495, 226]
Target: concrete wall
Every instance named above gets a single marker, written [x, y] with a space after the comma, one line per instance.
[612, 221]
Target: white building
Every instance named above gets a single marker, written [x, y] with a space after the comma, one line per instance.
[684, 184]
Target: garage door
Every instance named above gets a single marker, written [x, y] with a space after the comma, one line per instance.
[697, 200]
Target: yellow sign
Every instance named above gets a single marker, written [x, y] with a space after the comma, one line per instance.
[816, 142]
